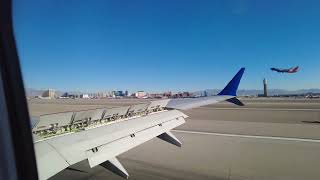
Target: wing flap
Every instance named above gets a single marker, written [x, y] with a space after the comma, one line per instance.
[107, 151]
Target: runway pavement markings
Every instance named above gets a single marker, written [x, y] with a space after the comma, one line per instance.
[250, 136]
[260, 109]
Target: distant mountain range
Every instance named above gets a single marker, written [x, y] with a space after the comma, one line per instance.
[242, 92]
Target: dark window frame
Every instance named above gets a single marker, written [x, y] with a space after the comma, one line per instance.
[14, 102]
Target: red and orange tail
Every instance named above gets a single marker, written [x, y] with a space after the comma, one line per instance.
[295, 69]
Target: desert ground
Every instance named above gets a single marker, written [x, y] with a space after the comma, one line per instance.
[268, 138]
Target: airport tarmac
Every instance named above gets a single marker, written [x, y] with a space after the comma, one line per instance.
[267, 139]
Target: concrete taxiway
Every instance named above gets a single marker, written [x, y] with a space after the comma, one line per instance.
[267, 139]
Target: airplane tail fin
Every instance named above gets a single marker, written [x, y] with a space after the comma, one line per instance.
[293, 69]
[232, 86]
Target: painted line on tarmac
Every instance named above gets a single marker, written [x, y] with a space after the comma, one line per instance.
[261, 109]
[250, 136]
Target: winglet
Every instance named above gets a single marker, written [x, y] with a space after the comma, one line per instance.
[232, 86]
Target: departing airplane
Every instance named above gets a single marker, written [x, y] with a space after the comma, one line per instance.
[290, 70]
[99, 135]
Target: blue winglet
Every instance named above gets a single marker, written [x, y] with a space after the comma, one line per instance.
[232, 86]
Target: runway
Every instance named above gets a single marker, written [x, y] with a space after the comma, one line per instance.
[263, 140]
[250, 136]
[261, 109]
[213, 157]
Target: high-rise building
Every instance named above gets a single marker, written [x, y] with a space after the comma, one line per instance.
[84, 96]
[141, 94]
[49, 94]
[265, 88]
[118, 93]
[205, 93]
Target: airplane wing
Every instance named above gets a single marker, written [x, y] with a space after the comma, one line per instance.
[228, 93]
[100, 135]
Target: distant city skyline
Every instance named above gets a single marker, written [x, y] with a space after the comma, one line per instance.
[160, 46]
[209, 92]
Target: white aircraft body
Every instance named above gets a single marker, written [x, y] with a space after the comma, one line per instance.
[100, 135]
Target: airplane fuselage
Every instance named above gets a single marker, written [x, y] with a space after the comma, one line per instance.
[291, 70]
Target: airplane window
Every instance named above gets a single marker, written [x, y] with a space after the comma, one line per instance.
[172, 89]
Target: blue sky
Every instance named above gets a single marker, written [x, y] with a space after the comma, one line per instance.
[166, 45]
